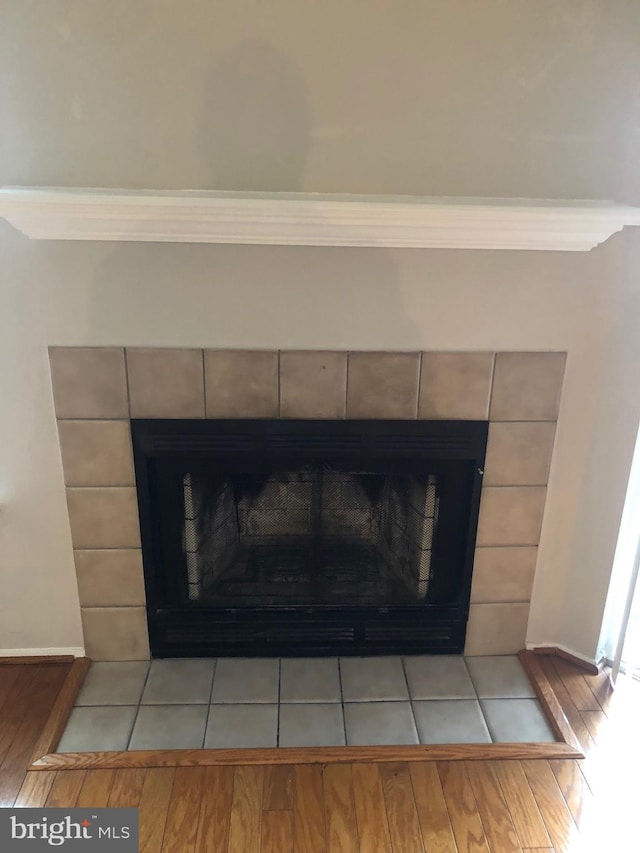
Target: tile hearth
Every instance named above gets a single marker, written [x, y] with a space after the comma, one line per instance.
[251, 702]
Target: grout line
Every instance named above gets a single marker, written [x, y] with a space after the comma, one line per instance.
[491, 386]
[420, 357]
[486, 722]
[135, 717]
[524, 421]
[126, 379]
[144, 686]
[410, 697]
[109, 486]
[346, 385]
[204, 387]
[470, 675]
[515, 486]
[279, 692]
[116, 548]
[344, 720]
[206, 722]
[133, 725]
[279, 393]
[124, 420]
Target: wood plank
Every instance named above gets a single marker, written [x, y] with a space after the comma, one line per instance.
[278, 788]
[572, 714]
[153, 808]
[523, 808]
[23, 696]
[9, 677]
[601, 687]
[461, 805]
[59, 714]
[371, 812]
[574, 787]
[66, 789]
[181, 828]
[277, 832]
[35, 790]
[215, 809]
[127, 788]
[96, 789]
[553, 808]
[537, 669]
[10, 783]
[538, 850]
[437, 834]
[596, 723]
[340, 810]
[28, 714]
[579, 690]
[492, 808]
[302, 755]
[246, 809]
[308, 810]
[402, 817]
[30, 704]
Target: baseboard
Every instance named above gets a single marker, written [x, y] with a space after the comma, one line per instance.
[48, 655]
[586, 663]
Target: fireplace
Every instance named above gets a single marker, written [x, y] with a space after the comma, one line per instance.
[302, 537]
[100, 391]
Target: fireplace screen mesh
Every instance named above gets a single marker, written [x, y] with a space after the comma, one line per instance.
[312, 535]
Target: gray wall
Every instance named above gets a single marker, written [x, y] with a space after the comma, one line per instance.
[499, 97]
[517, 98]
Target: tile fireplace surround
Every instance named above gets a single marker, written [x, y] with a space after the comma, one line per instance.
[97, 390]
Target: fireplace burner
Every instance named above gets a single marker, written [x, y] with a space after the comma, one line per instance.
[276, 537]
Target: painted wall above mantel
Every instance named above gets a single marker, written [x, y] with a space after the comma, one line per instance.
[313, 219]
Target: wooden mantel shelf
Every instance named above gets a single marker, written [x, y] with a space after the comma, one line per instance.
[298, 219]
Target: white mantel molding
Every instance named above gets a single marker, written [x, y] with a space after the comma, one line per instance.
[298, 219]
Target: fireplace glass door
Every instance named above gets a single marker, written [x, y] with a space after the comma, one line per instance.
[327, 532]
[313, 534]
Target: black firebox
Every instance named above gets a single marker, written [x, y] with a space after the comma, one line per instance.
[283, 537]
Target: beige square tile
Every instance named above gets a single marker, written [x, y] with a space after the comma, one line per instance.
[111, 578]
[383, 385]
[503, 574]
[96, 453]
[527, 386]
[103, 518]
[455, 385]
[519, 454]
[165, 383]
[313, 384]
[496, 629]
[511, 515]
[89, 382]
[115, 633]
[241, 383]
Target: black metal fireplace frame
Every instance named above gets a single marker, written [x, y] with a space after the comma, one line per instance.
[272, 630]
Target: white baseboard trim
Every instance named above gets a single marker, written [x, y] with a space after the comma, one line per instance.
[592, 661]
[76, 651]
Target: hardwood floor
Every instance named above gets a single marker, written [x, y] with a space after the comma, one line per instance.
[562, 806]
[27, 695]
